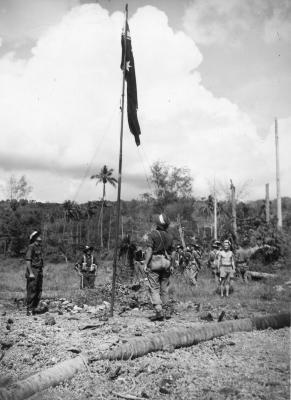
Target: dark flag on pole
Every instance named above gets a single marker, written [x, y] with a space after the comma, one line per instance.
[132, 105]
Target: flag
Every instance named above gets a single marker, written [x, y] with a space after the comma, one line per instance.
[132, 104]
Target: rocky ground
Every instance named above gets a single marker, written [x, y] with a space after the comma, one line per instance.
[243, 365]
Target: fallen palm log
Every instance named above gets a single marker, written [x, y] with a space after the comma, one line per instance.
[188, 336]
[260, 275]
[43, 380]
[176, 337]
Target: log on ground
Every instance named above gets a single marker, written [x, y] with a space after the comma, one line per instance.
[260, 275]
[177, 337]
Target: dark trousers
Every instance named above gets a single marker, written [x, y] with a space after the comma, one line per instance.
[34, 288]
[87, 281]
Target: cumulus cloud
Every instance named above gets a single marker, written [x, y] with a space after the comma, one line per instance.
[60, 109]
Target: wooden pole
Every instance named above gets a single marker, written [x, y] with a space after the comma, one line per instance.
[181, 232]
[279, 205]
[267, 205]
[233, 209]
[109, 230]
[119, 171]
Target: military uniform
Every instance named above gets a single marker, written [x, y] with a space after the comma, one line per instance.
[161, 242]
[191, 264]
[213, 263]
[242, 260]
[34, 285]
[87, 268]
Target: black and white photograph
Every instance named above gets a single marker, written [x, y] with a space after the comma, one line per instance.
[145, 204]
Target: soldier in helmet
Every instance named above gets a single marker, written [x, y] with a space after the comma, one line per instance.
[158, 265]
[226, 267]
[34, 272]
[193, 263]
[87, 268]
[213, 260]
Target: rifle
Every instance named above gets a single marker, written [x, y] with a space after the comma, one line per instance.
[181, 233]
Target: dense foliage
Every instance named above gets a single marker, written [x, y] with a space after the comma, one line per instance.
[67, 227]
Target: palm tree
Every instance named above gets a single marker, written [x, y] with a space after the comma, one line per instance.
[104, 176]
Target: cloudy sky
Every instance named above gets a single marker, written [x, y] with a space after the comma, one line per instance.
[211, 76]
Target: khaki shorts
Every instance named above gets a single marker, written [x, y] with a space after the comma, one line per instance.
[224, 271]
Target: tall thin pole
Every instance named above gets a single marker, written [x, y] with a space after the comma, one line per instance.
[119, 171]
[215, 212]
[267, 205]
[279, 205]
[233, 209]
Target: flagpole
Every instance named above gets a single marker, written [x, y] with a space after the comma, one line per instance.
[119, 171]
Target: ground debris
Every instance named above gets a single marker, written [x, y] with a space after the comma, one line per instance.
[91, 326]
[114, 374]
[49, 320]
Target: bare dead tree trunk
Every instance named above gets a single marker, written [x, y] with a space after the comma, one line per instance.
[233, 209]
[109, 230]
[267, 205]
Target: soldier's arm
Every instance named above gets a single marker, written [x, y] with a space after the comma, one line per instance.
[149, 252]
[173, 261]
[28, 262]
[219, 260]
[232, 261]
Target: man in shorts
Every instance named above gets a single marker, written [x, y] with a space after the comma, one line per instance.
[226, 267]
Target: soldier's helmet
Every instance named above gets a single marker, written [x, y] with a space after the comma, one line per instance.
[245, 241]
[34, 236]
[87, 248]
[162, 221]
[216, 244]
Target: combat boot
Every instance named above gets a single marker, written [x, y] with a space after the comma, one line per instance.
[169, 310]
[158, 317]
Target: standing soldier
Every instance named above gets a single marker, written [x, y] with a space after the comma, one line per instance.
[192, 262]
[179, 258]
[243, 255]
[213, 260]
[87, 268]
[138, 273]
[158, 265]
[34, 274]
[226, 267]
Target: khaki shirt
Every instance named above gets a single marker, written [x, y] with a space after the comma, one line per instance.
[34, 255]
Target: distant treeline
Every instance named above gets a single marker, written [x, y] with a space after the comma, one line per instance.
[67, 227]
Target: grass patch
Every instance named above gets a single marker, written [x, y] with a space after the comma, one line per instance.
[253, 296]
[60, 280]
[267, 292]
[56, 277]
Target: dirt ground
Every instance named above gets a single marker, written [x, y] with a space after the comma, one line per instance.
[243, 365]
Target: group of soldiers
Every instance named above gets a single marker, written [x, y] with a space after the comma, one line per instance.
[155, 265]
